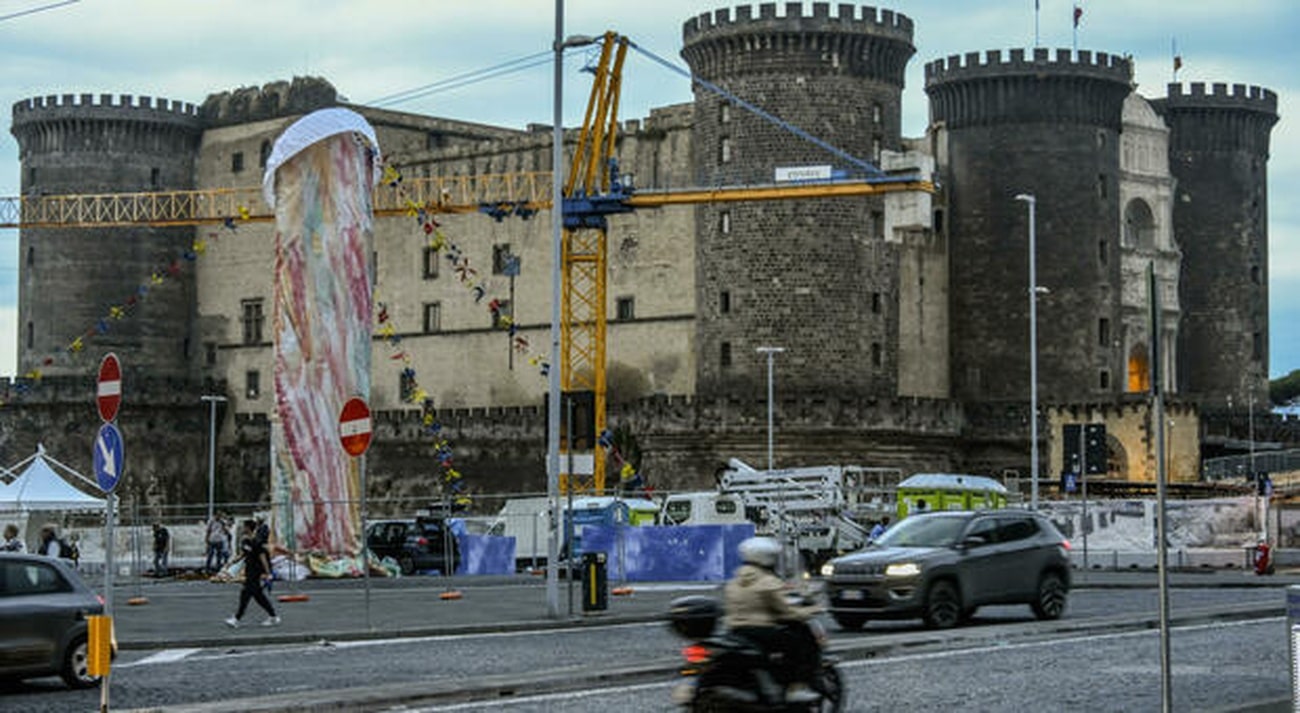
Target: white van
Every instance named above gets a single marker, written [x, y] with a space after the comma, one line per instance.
[707, 507]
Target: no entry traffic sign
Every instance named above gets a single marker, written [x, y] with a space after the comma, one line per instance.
[354, 427]
[108, 390]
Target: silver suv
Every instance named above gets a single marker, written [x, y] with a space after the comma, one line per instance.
[941, 566]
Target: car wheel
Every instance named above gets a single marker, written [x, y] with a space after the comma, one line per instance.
[1050, 603]
[407, 564]
[849, 622]
[942, 606]
[75, 663]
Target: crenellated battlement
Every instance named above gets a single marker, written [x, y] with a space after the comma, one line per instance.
[60, 106]
[993, 63]
[845, 17]
[1221, 95]
[274, 99]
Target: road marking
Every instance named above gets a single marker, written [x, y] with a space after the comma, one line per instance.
[545, 697]
[164, 656]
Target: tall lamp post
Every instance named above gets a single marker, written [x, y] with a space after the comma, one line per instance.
[1033, 355]
[771, 353]
[557, 256]
[212, 446]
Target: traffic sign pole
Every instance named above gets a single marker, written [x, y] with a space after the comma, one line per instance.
[354, 435]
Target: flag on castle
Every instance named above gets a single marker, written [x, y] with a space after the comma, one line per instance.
[1078, 13]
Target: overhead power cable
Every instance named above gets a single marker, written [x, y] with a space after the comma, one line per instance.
[515, 65]
[35, 10]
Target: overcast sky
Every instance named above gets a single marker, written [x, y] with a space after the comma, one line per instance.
[189, 49]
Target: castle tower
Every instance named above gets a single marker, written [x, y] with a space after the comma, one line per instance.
[812, 276]
[1048, 126]
[72, 277]
[1218, 153]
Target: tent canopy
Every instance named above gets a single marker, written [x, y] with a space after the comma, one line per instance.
[40, 487]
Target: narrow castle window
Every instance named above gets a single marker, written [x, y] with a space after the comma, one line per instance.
[724, 355]
[876, 113]
[252, 384]
[875, 302]
[210, 357]
[625, 309]
[724, 150]
[31, 335]
[1103, 332]
[1102, 190]
[1257, 346]
[1103, 379]
[430, 263]
[724, 222]
[1103, 252]
[253, 319]
[31, 255]
[237, 162]
[432, 317]
[724, 113]
[875, 354]
[154, 175]
[724, 302]
[1254, 274]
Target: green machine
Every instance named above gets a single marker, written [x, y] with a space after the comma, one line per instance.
[925, 492]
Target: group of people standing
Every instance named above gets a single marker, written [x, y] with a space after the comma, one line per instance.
[218, 539]
[50, 544]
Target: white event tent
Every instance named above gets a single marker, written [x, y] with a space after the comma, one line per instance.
[38, 486]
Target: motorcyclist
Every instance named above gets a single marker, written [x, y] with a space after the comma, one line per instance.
[758, 608]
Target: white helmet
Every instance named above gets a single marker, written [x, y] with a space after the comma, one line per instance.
[760, 551]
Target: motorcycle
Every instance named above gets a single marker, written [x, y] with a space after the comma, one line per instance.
[727, 672]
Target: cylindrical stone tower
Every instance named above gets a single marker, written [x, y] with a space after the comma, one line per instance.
[1046, 126]
[1218, 152]
[72, 278]
[812, 276]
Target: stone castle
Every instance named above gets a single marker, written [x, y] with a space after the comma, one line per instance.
[905, 323]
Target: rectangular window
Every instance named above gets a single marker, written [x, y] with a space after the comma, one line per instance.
[432, 317]
[724, 302]
[724, 222]
[505, 311]
[724, 355]
[501, 258]
[210, 349]
[253, 320]
[406, 385]
[237, 162]
[252, 384]
[1103, 332]
[431, 263]
[1257, 346]
[724, 150]
[1103, 379]
[625, 308]
[878, 224]
[154, 175]
[1101, 185]
[1103, 252]
[875, 302]
[724, 112]
[876, 357]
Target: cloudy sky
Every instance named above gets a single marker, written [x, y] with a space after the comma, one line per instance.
[186, 50]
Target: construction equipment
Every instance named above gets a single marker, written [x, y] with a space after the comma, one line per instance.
[813, 508]
[592, 192]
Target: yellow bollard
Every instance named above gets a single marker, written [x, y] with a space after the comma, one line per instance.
[99, 650]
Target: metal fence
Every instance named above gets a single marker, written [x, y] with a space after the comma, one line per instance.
[1230, 467]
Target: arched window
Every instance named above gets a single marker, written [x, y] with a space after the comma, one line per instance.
[1139, 370]
[1139, 225]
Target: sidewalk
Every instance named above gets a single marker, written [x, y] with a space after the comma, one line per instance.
[191, 613]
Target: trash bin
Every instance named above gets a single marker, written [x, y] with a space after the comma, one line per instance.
[595, 582]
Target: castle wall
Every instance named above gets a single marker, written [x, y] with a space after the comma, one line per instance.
[1047, 126]
[805, 274]
[1219, 155]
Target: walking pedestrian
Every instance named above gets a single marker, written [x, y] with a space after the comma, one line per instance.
[50, 545]
[162, 547]
[12, 542]
[257, 572]
[215, 538]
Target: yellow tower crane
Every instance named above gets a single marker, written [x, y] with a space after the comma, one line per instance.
[591, 193]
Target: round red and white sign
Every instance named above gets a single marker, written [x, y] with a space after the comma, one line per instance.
[108, 390]
[354, 427]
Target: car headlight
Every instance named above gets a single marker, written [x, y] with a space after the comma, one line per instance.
[905, 569]
[828, 569]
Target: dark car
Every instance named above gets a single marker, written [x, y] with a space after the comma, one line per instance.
[416, 544]
[43, 608]
[942, 566]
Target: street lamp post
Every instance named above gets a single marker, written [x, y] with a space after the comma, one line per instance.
[212, 447]
[557, 256]
[1033, 355]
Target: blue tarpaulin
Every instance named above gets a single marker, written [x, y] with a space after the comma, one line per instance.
[688, 553]
[485, 554]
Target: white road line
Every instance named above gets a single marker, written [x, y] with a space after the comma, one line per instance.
[164, 656]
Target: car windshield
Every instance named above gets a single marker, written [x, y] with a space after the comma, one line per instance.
[923, 532]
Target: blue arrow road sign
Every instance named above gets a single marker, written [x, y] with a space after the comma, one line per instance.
[108, 457]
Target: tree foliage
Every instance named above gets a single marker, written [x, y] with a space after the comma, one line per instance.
[1284, 390]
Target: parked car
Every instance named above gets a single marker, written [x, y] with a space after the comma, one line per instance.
[43, 608]
[416, 544]
[942, 566]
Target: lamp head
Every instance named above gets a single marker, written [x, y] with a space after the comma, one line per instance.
[1026, 197]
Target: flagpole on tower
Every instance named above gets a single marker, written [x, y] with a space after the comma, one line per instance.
[1037, 7]
[1178, 59]
[1078, 13]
